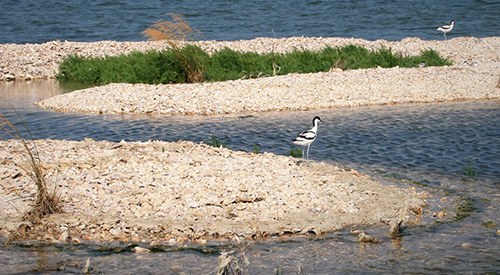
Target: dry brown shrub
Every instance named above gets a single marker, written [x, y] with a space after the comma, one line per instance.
[176, 29]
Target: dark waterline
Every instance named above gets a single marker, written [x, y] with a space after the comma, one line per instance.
[32, 21]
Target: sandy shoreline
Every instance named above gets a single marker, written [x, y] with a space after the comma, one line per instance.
[175, 192]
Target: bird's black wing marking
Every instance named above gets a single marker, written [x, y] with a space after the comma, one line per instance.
[307, 135]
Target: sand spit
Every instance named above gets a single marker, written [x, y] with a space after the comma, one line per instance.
[289, 92]
[145, 191]
[475, 75]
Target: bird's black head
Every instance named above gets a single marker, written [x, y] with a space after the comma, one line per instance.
[316, 118]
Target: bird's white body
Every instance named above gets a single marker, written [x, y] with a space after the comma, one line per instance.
[306, 138]
[446, 28]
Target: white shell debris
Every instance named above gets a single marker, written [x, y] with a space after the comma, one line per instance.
[473, 76]
[182, 190]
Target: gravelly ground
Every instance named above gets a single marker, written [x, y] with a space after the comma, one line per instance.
[173, 192]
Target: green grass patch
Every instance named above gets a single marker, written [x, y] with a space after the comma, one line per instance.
[256, 149]
[296, 152]
[192, 64]
[216, 142]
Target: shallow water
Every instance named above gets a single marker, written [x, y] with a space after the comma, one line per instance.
[33, 21]
[443, 138]
[432, 144]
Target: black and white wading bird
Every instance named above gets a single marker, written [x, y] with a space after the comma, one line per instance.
[306, 138]
[446, 28]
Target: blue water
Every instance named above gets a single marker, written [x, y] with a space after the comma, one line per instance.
[34, 21]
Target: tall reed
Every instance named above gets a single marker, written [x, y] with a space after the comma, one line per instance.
[45, 202]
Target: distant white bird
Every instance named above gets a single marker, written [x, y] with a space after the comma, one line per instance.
[446, 28]
[306, 138]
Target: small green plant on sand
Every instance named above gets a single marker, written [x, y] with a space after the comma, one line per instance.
[46, 202]
[216, 142]
[296, 152]
[256, 149]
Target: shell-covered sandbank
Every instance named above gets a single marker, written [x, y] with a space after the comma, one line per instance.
[175, 192]
[474, 75]
[41, 61]
[289, 92]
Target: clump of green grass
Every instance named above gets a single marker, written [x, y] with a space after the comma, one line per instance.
[46, 202]
[216, 142]
[296, 152]
[149, 67]
[191, 64]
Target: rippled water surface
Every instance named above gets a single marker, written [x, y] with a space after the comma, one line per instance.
[441, 138]
[30, 21]
[438, 145]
